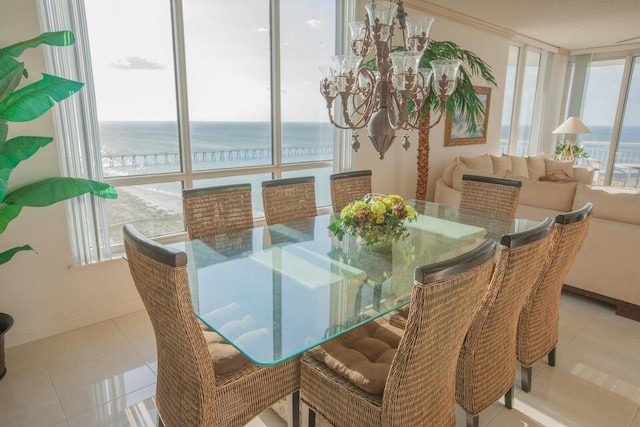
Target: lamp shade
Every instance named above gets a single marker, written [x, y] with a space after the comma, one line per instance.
[572, 125]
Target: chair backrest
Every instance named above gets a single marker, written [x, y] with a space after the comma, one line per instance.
[420, 388]
[186, 379]
[486, 367]
[538, 323]
[217, 210]
[289, 199]
[492, 195]
[348, 186]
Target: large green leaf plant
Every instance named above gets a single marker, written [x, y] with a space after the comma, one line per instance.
[24, 104]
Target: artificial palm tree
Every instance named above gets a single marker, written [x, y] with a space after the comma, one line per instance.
[463, 100]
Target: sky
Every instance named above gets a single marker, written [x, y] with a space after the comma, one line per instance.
[227, 54]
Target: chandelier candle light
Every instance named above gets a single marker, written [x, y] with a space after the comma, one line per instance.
[392, 97]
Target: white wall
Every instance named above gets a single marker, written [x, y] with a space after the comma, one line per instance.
[43, 295]
[397, 173]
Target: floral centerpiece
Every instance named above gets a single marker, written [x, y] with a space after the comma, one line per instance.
[374, 220]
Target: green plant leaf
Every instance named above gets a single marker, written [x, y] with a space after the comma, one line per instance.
[8, 254]
[37, 98]
[52, 190]
[57, 38]
[10, 80]
[16, 150]
[4, 130]
[7, 214]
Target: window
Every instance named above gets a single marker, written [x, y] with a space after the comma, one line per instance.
[192, 93]
[609, 105]
[523, 101]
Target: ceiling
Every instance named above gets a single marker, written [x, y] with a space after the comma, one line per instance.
[568, 24]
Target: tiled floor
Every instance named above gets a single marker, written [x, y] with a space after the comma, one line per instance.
[105, 374]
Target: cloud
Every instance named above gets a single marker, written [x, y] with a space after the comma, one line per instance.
[136, 63]
[314, 23]
[261, 29]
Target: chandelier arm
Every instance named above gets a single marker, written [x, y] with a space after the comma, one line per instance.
[359, 124]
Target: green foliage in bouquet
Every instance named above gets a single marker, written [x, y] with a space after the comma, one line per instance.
[375, 219]
[22, 105]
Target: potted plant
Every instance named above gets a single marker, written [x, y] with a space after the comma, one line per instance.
[21, 105]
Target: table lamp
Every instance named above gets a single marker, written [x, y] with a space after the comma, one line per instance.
[571, 126]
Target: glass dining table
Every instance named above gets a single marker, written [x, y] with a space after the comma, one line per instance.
[277, 291]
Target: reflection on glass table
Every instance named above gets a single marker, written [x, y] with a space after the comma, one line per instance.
[276, 291]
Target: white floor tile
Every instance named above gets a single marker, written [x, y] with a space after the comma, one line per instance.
[134, 409]
[35, 406]
[95, 383]
[103, 375]
[83, 345]
[566, 399]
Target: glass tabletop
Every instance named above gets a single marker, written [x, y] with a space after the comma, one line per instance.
[274, 292]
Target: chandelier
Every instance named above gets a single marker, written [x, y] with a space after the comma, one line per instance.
[391, 97]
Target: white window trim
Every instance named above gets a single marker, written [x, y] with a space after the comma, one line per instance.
[79, 141]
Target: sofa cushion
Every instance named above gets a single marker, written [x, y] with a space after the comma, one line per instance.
[478, 163]
[362, 356]
[447, 175]
[557, 196]
[558, 165]
[460, 170]
[519, 165]
[584, 175]
[536, 167]
[501, 165]
[614, 204]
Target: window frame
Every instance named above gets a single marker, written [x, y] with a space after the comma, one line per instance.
[86, 216]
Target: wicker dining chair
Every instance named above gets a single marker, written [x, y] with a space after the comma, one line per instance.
[491, 195]
[487, 362]
[217, 210]
[289, 199]
[202, 380]
[348, 186]
[538, 324]
[378, 375]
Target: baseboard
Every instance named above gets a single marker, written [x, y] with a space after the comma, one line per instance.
[623, 308]
[13, 339]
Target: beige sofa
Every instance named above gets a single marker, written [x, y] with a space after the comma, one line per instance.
[608, 266]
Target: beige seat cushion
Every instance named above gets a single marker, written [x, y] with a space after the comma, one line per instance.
[479, 163]
[447, 175]
[362, 356]
[557, 196]
[552, 166]
[225, 357]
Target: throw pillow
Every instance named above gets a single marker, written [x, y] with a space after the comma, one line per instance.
[536, 167]
[519, 165]
[461, 170]
[500, 164]
[478, 163]
[557, 165]
[557, 176]
[447, 175]
[584, 175]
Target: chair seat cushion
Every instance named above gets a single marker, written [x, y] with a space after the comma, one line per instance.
[362, 356]
[225, 357]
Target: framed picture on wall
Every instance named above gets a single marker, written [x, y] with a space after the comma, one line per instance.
[456, 131]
